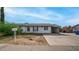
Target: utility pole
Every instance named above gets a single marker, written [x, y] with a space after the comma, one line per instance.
[2, 14]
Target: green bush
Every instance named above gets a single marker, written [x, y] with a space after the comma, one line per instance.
[6, 28]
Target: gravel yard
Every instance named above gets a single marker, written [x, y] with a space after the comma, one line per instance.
[25, 40]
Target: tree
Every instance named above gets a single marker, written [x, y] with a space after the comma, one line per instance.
[2, 14]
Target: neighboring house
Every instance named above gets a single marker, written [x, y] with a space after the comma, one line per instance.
[76, 29]
[67, 29]
[39, 28]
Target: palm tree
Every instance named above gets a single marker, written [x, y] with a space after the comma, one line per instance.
[2, 14]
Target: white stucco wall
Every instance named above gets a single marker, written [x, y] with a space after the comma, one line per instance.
[24, 30]
[40, 30]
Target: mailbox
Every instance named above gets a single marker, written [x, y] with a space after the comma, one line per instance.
[14, 29]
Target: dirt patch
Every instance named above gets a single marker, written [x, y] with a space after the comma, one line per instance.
[26, 40]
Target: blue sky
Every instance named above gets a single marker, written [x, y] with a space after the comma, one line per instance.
[62, 16]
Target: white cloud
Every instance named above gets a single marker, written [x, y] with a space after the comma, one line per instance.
[42, 13]
[73, 21]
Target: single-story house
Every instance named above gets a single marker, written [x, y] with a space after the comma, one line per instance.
[76, 29]
[39, 28]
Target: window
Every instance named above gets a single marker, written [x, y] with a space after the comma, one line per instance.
[28, 28]
[35, 28]
[45, 28]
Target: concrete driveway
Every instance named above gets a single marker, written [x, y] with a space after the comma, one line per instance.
[62, 40]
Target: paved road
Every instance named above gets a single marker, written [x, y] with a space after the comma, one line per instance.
[62, 40]
[38, 48]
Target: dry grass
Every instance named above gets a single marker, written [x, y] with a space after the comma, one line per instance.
[25, 40]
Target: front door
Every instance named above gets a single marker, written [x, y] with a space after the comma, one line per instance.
[53, 29]
[35, 29]
[28, 29]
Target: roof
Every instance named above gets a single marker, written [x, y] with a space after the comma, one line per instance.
[39, 24]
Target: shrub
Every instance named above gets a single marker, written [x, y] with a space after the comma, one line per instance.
[6, 28]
